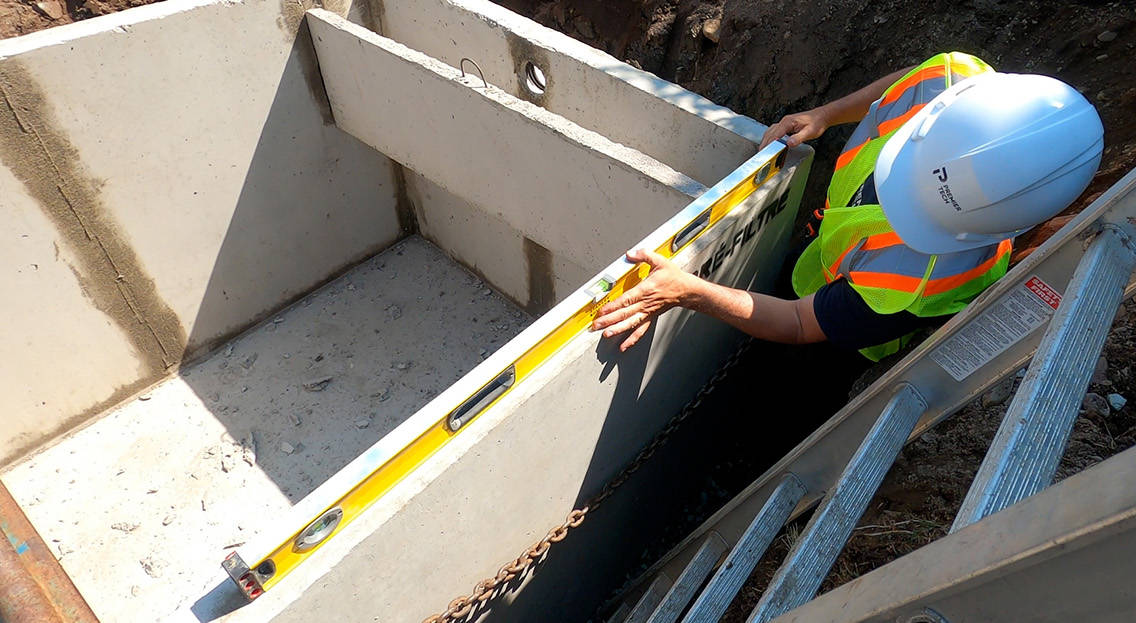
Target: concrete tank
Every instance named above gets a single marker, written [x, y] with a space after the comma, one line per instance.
[265, 262]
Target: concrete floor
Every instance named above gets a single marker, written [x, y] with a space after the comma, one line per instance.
[143, 504]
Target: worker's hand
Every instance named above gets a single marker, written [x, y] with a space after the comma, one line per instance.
[797, 128]
[665, 287]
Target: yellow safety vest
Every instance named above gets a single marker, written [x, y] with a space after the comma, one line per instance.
[857, 243]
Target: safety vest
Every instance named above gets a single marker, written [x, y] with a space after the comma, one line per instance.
[857, 243]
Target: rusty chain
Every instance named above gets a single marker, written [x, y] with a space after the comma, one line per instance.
[462, 606]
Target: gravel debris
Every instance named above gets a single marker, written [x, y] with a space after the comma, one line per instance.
[153, 566]
[1094, 404]
[318, 385]
[999, 393]
[1116, 401]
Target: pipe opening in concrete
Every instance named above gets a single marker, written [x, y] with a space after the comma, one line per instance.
[534, 79]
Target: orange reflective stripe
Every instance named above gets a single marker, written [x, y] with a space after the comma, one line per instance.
[891, 124]
[943, 284]
[904, 283]
[890, 281]
[849, 155]
[881, 241]
[898, 89]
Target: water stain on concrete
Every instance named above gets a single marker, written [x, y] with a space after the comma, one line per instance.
[405, 206]
[542, 287]
[525, 54]
[106, 268]
[305, 52]
[109, 272]
[292, 13]
[374, 15]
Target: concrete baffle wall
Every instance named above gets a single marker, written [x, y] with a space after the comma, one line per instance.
[587, 86]
[572, 190]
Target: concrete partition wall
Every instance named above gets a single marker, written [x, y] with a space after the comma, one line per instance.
[551, 194]
[590, 88]
[170, 174]
[595, 90]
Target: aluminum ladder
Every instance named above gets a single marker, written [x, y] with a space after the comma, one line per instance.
[1058, 303]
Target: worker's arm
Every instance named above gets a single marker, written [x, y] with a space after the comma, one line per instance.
[804, 126]
[764, 317]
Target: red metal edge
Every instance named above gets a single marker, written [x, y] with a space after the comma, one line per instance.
[34, 588]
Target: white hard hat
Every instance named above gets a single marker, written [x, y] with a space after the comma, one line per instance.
[987, 159]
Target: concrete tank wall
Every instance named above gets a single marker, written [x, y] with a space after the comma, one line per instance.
[169, 175]
[591, 88]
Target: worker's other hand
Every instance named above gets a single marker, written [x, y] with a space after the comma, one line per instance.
[665, 287]
[796, 128]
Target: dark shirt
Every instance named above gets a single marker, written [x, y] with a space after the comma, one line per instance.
[846, 319]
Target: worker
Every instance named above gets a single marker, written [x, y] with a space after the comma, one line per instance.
[949, 162]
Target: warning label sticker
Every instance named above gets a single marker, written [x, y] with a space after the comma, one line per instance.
[999, 327]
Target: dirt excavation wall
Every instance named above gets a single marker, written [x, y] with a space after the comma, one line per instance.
[165, 183]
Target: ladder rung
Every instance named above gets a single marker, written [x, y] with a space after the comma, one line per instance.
[1028, 446]
[814, 553]
[687, 584]
[728, 580]
[650, 599]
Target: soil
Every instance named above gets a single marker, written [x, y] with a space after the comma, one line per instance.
[19, 17]
[768, 58]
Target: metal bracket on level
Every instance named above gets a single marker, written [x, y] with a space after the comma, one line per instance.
[249, 580]
[469, 409]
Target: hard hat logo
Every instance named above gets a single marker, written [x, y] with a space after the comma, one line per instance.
[1020, 149]
[946, 195]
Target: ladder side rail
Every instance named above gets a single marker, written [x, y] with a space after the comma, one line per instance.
[650, 600]
[692, 578]
[818, 459]
[1029, 444]
[1075, 565]
[729, 578]
[810, 559]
